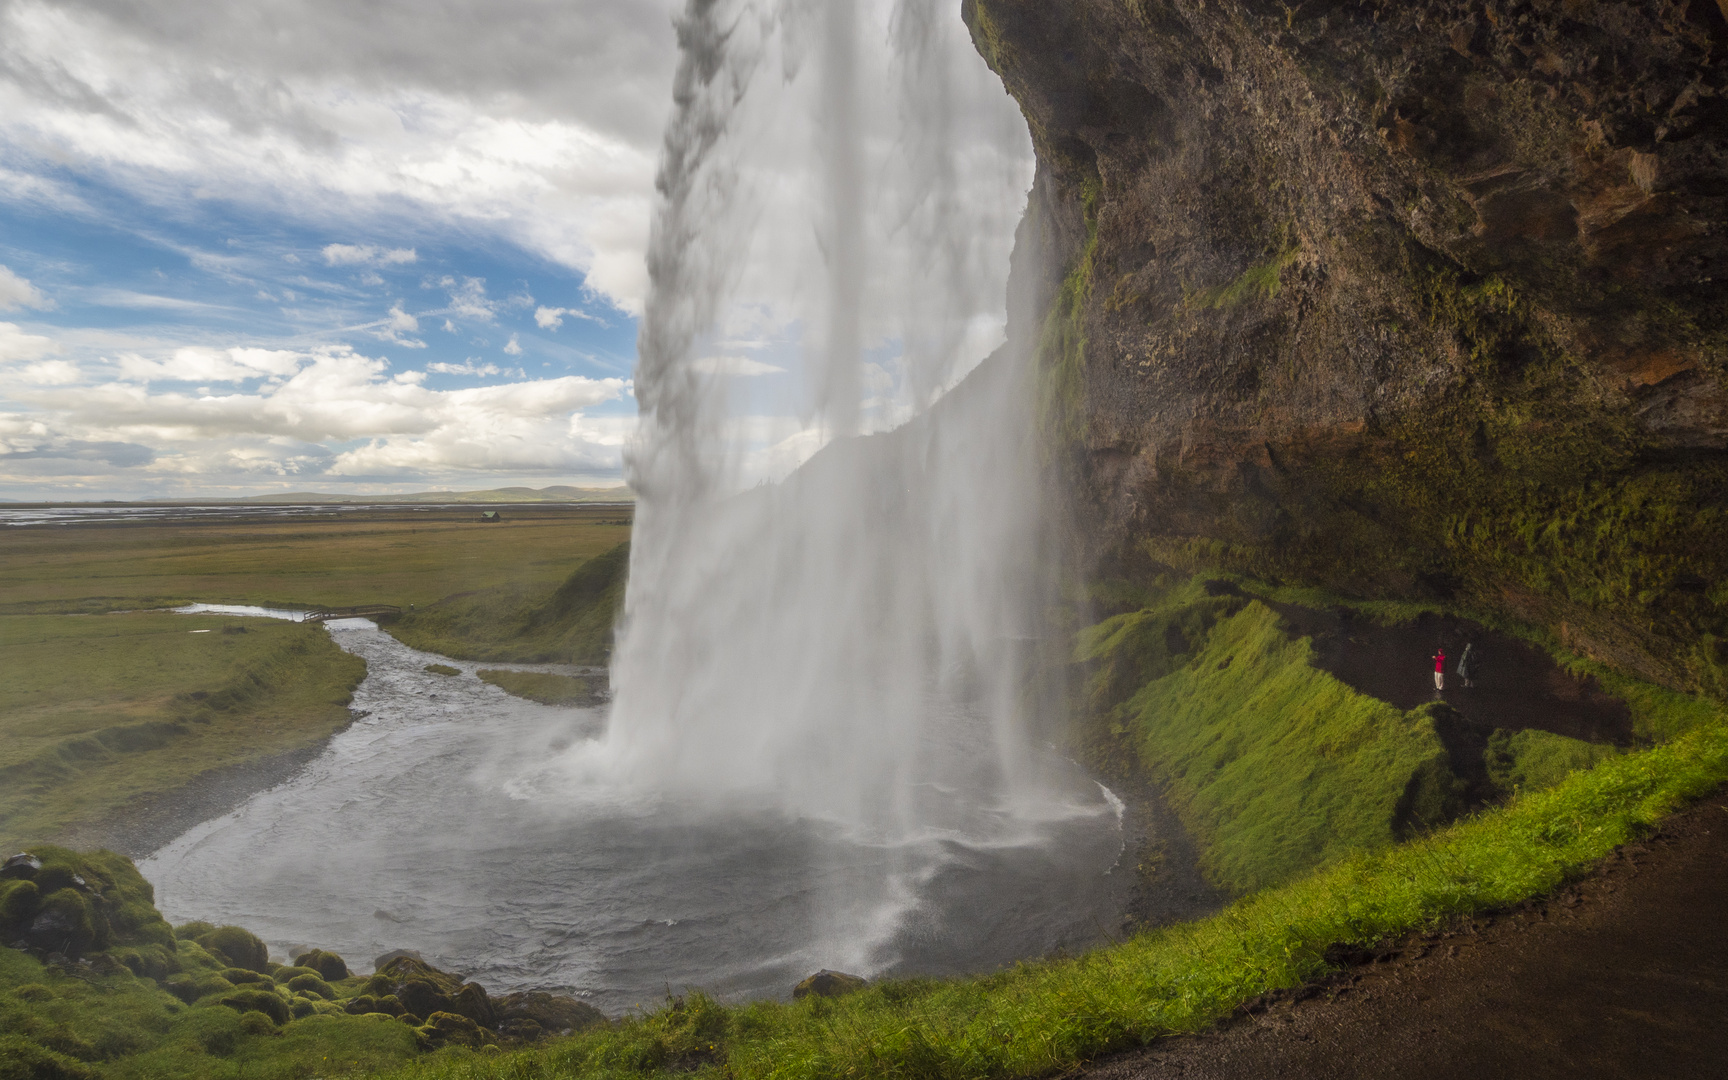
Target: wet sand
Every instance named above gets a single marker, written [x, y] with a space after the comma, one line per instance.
[1623, 974]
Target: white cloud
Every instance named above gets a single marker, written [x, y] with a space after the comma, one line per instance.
[513, 347]
[468, 297]
[400, 322]
[17, 292]
[367, 255]
[16, 345]
[734, 366]
[543, 132]
[292, 413]
[471, 367]
[551, 318]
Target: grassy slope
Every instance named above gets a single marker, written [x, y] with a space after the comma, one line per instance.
[398, 557]
[98, 710]
[1274, 765]
[541, 687]
[522, 624]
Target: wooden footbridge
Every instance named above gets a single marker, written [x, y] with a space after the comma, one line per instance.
[364, 611]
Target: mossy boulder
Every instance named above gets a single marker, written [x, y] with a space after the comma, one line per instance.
[243, 976]
[57, 900]
[828, 984]
[259, 1001]
[311, 984]
[472, 1001]
[191, 986]
[453, 1029]
[363, 1004]
[527, 1013]
[286, 974]
[238, 946]
[328, 965]
[63, 923]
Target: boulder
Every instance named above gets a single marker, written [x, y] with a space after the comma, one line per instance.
[22, 865]
[328, 965]
[471, 1001]
[550, 1013]
[446, 1029]
[259, 1001]
[828, 984]
[238, 946]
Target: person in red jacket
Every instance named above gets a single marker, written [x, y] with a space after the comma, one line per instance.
[1440, 671]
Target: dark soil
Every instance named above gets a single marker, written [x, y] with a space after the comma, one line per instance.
[1624, 974]
[1512, 685]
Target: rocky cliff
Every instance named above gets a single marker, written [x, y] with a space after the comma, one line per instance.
[1413, 298]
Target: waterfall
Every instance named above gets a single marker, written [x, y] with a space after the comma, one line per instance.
[838, 191]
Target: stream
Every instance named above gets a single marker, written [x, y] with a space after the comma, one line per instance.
[435, 824]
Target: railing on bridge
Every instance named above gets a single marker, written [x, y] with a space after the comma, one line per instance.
[364, 611]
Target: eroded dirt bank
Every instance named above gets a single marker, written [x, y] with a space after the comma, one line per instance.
[1624, 974]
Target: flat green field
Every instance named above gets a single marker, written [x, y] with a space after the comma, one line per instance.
[98, 711]
[106, 706]
[340, 559]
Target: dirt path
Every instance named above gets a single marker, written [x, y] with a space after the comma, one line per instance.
[1624, 974]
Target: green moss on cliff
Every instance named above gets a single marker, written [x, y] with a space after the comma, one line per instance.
[1062, 346]
[1273, 765]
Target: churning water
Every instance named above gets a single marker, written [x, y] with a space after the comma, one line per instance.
[434, 823]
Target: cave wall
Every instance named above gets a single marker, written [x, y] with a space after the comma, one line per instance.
[1415, 298]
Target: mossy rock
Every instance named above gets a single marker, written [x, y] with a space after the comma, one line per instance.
[256, 1023]
[24, 1059]
[238, 946]
[471, 1001]
[443, 669]
[19, 901]
[284, 975]
[194, 930]
[311, 984]
[191, 986]
[148, 961]
[552, 1013]
[63, 923]
[259, 1001]
[243, 976]
[423, 997]
[328, 965]
[58, 899]
[453, 1029]
[303, 1006]
[828, 984]
[386, 1005]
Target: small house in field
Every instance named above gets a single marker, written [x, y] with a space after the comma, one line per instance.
[491, 515]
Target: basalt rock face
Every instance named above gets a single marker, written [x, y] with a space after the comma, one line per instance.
[1416, 298]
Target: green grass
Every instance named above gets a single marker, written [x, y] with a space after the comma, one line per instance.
[399, 557]
[570, 623]
[1273, 765]
[545, 688]
[97, 711]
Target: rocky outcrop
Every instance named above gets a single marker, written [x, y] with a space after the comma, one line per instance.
[1421, 298]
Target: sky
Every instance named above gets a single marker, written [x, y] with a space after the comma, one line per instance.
[315, 245]
[253, 246]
